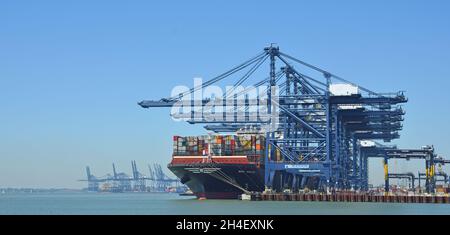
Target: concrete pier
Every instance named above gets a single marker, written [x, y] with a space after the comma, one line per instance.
[350, 197]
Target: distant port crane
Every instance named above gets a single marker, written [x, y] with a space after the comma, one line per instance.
[121, 182]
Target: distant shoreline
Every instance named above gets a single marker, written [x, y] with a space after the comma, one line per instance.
[37, 190]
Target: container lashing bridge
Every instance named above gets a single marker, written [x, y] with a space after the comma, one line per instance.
[319, 128]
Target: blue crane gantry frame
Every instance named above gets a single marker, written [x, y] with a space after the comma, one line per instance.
[318, 133]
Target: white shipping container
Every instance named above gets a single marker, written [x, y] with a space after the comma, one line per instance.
[342, 89]
[349, 106]
[367, 143]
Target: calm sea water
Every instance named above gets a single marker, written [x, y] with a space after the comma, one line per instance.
[172, 204]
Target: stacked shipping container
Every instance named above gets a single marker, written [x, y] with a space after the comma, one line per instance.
[221, 145]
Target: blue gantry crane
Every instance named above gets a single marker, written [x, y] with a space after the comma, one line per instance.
[138, 178]
[93, 182]
[316, 122]
[160, 179]
[426, 153]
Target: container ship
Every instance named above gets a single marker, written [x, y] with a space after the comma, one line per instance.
[219, 166]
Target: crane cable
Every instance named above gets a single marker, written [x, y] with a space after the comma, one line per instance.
[221, 76]
[327, 74]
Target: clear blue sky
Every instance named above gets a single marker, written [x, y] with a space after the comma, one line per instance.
[71, 73]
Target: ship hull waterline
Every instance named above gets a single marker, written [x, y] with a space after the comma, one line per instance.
[220, 181]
